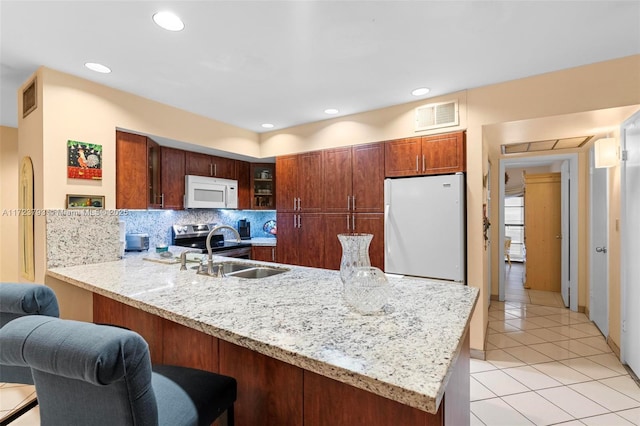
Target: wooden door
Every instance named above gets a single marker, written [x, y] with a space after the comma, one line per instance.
[286, 184]
[172, 178]
[199, 164]
[131, 171]
[402, 157]
[368, 178]
[443, 154]
[287, 238]
[372, 223]
[310, 240]
[310, 185]
[336, 179]
[224, 168]
[263, 253]
[543, 231]
[263, 187]
[334, 224]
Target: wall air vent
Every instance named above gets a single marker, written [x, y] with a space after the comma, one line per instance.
[434, 116]
[29, 99]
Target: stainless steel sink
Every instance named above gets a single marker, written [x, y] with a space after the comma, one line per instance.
[257, 272]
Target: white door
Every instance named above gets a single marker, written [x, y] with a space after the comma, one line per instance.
[631, 244]
[565, 209]
[599, 257]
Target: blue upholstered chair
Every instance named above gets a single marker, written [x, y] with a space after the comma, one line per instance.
[90, 374]
[18, 300]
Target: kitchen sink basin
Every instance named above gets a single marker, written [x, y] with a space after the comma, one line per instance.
[228, 267]
[257, 272]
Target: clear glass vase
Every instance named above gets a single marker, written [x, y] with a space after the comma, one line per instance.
[367, 290]
[355, 253]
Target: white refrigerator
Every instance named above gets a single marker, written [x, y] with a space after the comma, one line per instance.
[425, 227]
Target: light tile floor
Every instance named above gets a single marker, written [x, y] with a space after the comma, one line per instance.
[545, 365]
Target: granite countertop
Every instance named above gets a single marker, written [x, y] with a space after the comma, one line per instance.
[299, 317]
[269, 242]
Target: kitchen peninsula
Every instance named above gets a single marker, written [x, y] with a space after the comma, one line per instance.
[300, 355]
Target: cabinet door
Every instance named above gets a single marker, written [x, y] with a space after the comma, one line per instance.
[287, 238]
[263, 253]
[310, 181]
[224, 168]
[172, 178]
[243, 169]
[131, 171]
[286, 183]
[199, 164]
[310, 240]
[334, 224]
[372, 223]
[443, 153]
[263, 191]
[336, 179]
[154, 175]
[368, 178]
[402, 157]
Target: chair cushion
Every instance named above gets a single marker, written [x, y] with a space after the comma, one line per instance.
[201, 386]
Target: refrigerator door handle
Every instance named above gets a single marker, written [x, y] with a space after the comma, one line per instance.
[386, 224]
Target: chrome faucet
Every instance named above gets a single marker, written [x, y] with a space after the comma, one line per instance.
[183, 258]
[210, 254]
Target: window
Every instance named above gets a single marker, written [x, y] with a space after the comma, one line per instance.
[514, 226]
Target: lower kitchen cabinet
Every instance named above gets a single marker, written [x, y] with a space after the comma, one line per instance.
[264, 253]
[301, 239]
[363, 223]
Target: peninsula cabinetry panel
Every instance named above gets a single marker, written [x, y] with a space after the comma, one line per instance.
[210, 165]
[426, 155]
[269, 391]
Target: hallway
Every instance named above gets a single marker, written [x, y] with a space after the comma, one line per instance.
[548, 365]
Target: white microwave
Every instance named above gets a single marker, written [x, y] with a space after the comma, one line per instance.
[210, 193]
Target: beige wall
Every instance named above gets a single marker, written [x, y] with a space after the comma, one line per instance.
[81, 110]
[9, 162]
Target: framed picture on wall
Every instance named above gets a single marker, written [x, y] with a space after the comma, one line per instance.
[85, 201]
[84, 160]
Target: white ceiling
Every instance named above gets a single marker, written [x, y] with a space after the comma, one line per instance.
[284, 62]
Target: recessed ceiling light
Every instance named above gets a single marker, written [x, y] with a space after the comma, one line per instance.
[268, 126]
[93, 66]
[420, 91]
[168, 20]
[331, 111]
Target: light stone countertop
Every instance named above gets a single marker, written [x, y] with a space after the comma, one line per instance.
[299, 317]
[269, 242]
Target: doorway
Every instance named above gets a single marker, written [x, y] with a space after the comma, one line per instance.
[569, 231]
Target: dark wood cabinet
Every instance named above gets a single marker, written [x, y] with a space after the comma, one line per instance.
[210, 165]
[264, 253]
[301, 239]
[426, 155]
[363, 223]
[243, 170]
[337, 179]
[172, 178]
[154, 173]
[299, 182]
[131, 171]
[263, 186]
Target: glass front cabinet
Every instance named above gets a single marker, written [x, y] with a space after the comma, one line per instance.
[263, 178]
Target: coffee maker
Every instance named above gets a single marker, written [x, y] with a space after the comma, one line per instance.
[244, 229]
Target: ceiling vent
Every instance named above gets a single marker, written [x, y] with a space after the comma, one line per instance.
[435, 116]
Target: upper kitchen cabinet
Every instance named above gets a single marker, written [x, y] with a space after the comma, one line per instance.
[131, 171]
[148, 176]
[425, 155]
[299, 182]
[263, 188]
[353, 178]
[172, 178]
[210, 165]
[243, 170]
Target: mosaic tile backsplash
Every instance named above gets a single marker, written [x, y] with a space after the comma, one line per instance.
[157, 223]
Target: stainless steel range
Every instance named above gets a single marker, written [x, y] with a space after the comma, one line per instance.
[194, 236]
